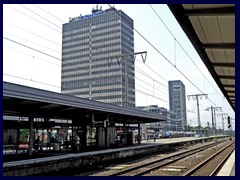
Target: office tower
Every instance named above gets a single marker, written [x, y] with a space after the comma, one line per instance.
[177, 102]
[97, 57]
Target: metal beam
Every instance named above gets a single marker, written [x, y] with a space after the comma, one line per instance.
[230, 91]
[226, 77]
[219, 46]
[229, 85]
[211, 11]
[131, 56]
[224, 65]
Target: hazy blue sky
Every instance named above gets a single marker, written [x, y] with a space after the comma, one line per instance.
[33, 26]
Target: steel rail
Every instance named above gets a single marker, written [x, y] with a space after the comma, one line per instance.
[167, 160]
[219, 167]
[197, 167]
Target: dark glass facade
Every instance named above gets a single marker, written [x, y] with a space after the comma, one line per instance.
[90, 67]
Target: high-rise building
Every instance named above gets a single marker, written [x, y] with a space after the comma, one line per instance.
[97, 57]
[177, 102]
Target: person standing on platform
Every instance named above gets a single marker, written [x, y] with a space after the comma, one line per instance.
[118, 140]
[122, 141]
[154, 137]
[77, 143]
[66, 141]
[37, 143]
[136, 137]
[52, 141]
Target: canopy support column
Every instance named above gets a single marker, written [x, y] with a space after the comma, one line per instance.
[139, 134]
[30, 118]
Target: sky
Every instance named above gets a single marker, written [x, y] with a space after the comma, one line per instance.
[32, 38]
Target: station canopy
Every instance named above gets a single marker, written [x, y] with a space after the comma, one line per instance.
[211, 30]
[26, 101]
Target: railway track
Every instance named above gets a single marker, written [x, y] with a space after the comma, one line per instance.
[161, 162]
[212, 165]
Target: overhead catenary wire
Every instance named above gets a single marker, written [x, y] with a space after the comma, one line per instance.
[154, 93]
[162, 55]
[151, 90]
[31, 48]
[148, 84]
[49, 13]
[160, 52]
[146, 75]
[34, 19]
[44, 60]
[109, 78]
[41, 16]
[30, 80]
[147, 66]
[153, 71]
[143, 93]
[32, 33]
[175, 40]
[54, 24]
[58, 58]
[33, 42]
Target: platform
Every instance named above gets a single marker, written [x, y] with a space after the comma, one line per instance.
[228, 168]
[59, 161]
